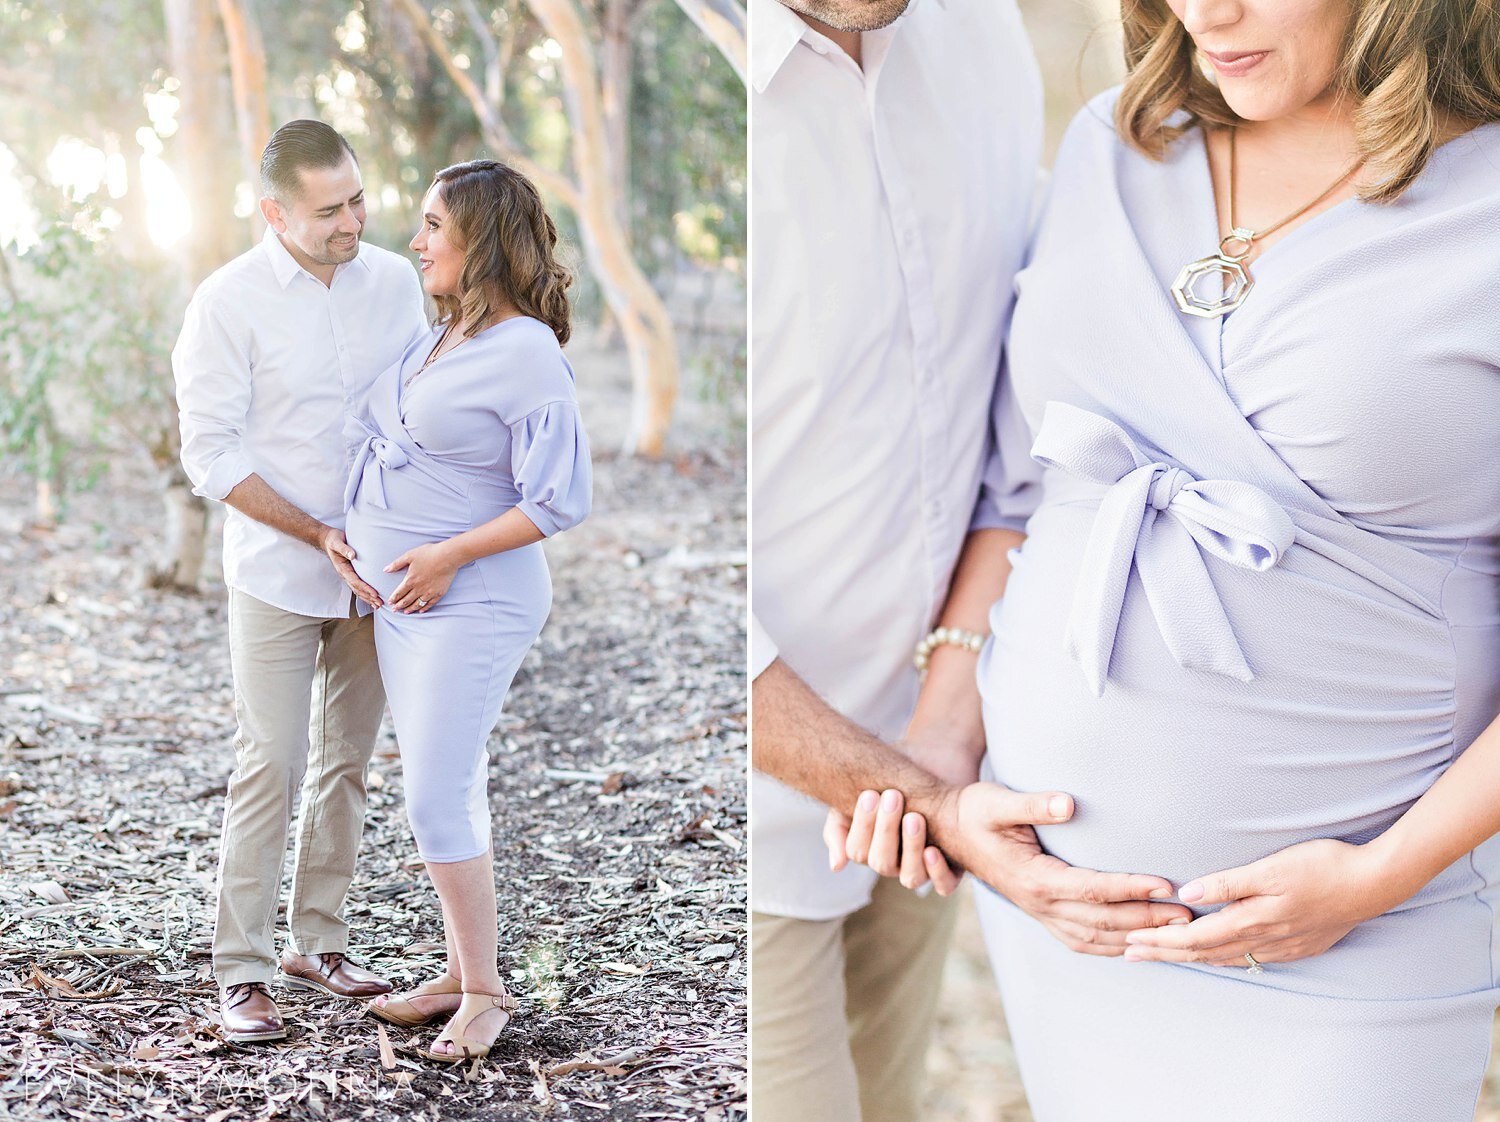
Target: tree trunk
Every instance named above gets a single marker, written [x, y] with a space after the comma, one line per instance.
[643, 317]
[247, 70]
[48, 486]
[180, 564]
[723, 21]
[616, 51]
[197, 65]
[617, 56]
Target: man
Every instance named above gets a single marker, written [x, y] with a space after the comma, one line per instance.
[277, 352]
[894, 157]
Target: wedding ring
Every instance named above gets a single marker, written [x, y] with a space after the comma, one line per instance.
[421, 603]
[1255, 967]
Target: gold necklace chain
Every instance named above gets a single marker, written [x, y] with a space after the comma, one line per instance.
[436, 353]
[1216, 285]
[1247, 237]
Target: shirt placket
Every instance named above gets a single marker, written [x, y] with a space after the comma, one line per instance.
[927, 388]
[341, 344]
[343, 357]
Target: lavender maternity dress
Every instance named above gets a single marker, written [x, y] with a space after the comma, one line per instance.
[491, 426]
[1259, 604]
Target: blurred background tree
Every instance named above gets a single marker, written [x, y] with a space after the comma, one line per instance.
[130, 134]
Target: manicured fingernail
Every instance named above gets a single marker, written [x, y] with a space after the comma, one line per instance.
[1160, 893]
[1134, 937]
[1134, 956]
[868, 801]
[1176, 921]
[890, 800]
[1190, 892]
[1057, 806]
[911, 824]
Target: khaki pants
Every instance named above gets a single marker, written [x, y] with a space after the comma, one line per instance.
[308, 699]
[841, 1010]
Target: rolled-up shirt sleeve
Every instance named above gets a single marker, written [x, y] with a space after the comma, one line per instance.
[1010, 486]
[763, 649]
[211, 366]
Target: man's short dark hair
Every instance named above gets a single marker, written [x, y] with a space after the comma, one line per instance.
[297, 145]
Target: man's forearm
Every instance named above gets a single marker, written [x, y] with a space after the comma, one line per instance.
[255, 498]
[948, 708]
[801, 740]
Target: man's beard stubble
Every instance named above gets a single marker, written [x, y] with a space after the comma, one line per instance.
[331, 254]
[850, 15]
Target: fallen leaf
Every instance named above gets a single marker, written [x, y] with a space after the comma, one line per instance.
[50, 891]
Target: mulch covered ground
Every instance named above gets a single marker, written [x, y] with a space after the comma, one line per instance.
[617, 786]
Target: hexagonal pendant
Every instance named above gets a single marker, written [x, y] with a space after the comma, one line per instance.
[1212, 286]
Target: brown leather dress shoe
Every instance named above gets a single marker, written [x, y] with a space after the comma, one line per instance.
[250, 1014]
[331, 973]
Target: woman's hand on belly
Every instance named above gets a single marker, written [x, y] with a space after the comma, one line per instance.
[430, 570]
[1293, 904]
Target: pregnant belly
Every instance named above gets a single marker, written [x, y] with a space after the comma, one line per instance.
[1182, 772]
[420, 508]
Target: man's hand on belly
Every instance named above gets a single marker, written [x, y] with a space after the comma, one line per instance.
[340, 553]
[987, 828]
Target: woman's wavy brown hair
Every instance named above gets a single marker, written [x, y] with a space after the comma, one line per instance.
[1412, 67]
[496, 216]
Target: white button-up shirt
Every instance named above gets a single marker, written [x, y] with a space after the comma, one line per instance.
[889, 211]
[270, 366]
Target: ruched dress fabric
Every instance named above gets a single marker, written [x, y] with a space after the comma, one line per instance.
[492, 425]
[1259, 604]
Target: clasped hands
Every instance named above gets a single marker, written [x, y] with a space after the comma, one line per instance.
[1293, 904]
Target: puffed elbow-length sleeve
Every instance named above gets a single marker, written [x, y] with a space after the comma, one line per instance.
[549, 459]
[1010, 487]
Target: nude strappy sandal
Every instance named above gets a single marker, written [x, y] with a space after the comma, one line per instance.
[398, 1009]
[472, 1006]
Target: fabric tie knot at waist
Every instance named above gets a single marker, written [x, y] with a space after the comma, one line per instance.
[389, 453]
[377, 453]
[1159, 519]
[1166, 485]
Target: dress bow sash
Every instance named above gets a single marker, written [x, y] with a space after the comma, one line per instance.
[377, 452]
[1161, 519]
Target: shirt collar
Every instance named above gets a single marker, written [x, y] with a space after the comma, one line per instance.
[777, 32]
[285, 266]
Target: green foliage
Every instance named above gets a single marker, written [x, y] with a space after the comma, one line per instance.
[688, 118]
[84, 343]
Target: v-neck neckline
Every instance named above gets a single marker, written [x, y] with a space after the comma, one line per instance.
[403, 386]
[1294, 236]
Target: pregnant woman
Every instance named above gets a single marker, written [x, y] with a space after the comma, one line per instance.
[474, 452]
[1255, 627]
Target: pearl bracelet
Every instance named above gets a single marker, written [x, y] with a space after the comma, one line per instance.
[953, 636]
